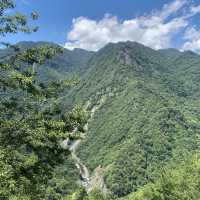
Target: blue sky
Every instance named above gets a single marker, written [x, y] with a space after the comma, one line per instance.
[90, 24]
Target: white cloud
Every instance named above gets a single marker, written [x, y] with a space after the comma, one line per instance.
[155, 30]
[195, 9]
[169, 9]
[192, 37]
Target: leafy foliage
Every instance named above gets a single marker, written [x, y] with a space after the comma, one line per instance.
[32, 123]
[149, 118]
[179, 183]
[143, 134]
[16, 22]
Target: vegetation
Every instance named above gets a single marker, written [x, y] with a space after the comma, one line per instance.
[144, 135]
[32, 124]
[149, 119]
[179, 183]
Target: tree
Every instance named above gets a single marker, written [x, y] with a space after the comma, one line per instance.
[14, 23]
[30, 131]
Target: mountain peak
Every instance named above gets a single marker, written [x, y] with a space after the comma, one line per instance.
[124, 44]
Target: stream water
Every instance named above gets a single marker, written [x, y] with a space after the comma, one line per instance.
[72, 145]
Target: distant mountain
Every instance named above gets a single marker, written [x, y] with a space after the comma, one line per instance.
[62, 66]
[170, 53]
[149, 116]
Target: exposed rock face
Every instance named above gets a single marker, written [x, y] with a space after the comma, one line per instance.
[97, 180]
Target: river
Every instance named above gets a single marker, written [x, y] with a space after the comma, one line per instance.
[86, 180]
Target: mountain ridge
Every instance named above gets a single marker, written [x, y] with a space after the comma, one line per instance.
[149, 119]
[146, 121]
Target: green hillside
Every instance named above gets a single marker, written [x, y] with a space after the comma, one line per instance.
[149, 118]
[181, 182]
[147, 124]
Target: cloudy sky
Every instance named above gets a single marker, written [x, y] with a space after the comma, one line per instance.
[91, 24]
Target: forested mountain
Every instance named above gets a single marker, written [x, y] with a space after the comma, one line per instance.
[67, 64]
[149, 118]
[147, 123]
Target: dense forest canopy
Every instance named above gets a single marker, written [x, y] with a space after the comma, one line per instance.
[132, 111]
[32, 123]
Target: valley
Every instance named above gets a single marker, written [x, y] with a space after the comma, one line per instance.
[99, 100]
[87, 180]
[142, 109]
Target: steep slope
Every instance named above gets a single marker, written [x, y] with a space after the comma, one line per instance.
[179, 182]
[184, 75]
[148, 116]
[145, 122]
